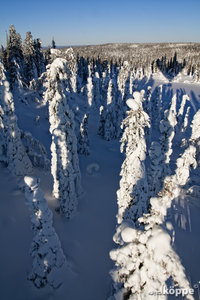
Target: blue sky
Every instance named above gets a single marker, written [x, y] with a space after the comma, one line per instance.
[93, 22]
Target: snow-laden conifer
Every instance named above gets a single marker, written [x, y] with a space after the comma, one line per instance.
[146, 260]
[16, 66]
[16, 156]
[89, 88]
[35, 150]
[97, 90]
[70, 57]
[155, 174]
[83, 139]
[64, 162]
[49, 261]
[167, 129]
[132, 195]
[29, 56]
[195, 137]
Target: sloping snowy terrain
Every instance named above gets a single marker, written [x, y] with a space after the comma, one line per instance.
[87, 238]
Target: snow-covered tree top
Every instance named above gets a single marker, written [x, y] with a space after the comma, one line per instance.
[135, 102]
[132, 104]
[55, 51]
[58, 69]
[31, 182]
[58, 63]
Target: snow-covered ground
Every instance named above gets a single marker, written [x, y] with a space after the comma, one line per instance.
[87, 238]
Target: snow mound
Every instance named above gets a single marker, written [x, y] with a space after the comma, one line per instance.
[129, 234]
[93, 168]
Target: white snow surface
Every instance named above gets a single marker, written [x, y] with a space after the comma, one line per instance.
[87, 239]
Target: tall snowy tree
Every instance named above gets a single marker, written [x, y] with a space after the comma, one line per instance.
[133, 193]
[29, 56]
[88, 90]
[83, 139]
[17, 159]
[146, 260]
[15, 59]
[39, 57]
[64, 162]
[70, 57]
[49, 261]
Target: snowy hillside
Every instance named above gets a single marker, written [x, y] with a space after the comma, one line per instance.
[99, 177]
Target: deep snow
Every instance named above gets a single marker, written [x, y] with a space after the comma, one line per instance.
[86, 239]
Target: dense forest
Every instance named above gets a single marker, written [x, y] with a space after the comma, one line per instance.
[56, 106]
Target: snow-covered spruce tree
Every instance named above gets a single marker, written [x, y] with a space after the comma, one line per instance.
[156, 105]
[185, 121]
[101, 121]
[155, 173]
[49, 261]
[64, 162]
[122, 77]
[133, 193]
[195, 137]
[17, 159]
[97, 90]
[83, 139]
[15, 59]
[167, 129]
[146, 259]
[29, 56]
[39, 57]
[35, 150]
[180, 114]
[88, 89]
[70, 57]
[108, 127]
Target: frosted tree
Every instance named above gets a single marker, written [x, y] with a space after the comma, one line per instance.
[109, 130]
[109, 123]
[133, 192]
[155, 173]
[167, 129]
[180, 114]
[89, 88]
[83, 139]
[185, 120]
[15, 59]
[49, 262]
[39, 57]
[70, 57]
[35, 150]
[29, 56]
[156, 105]
[64, 162]
[102, 121]
[146, 260]
[122, 77]
[97, 90]
[109, 93]
[195, 137]
[17, 159]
